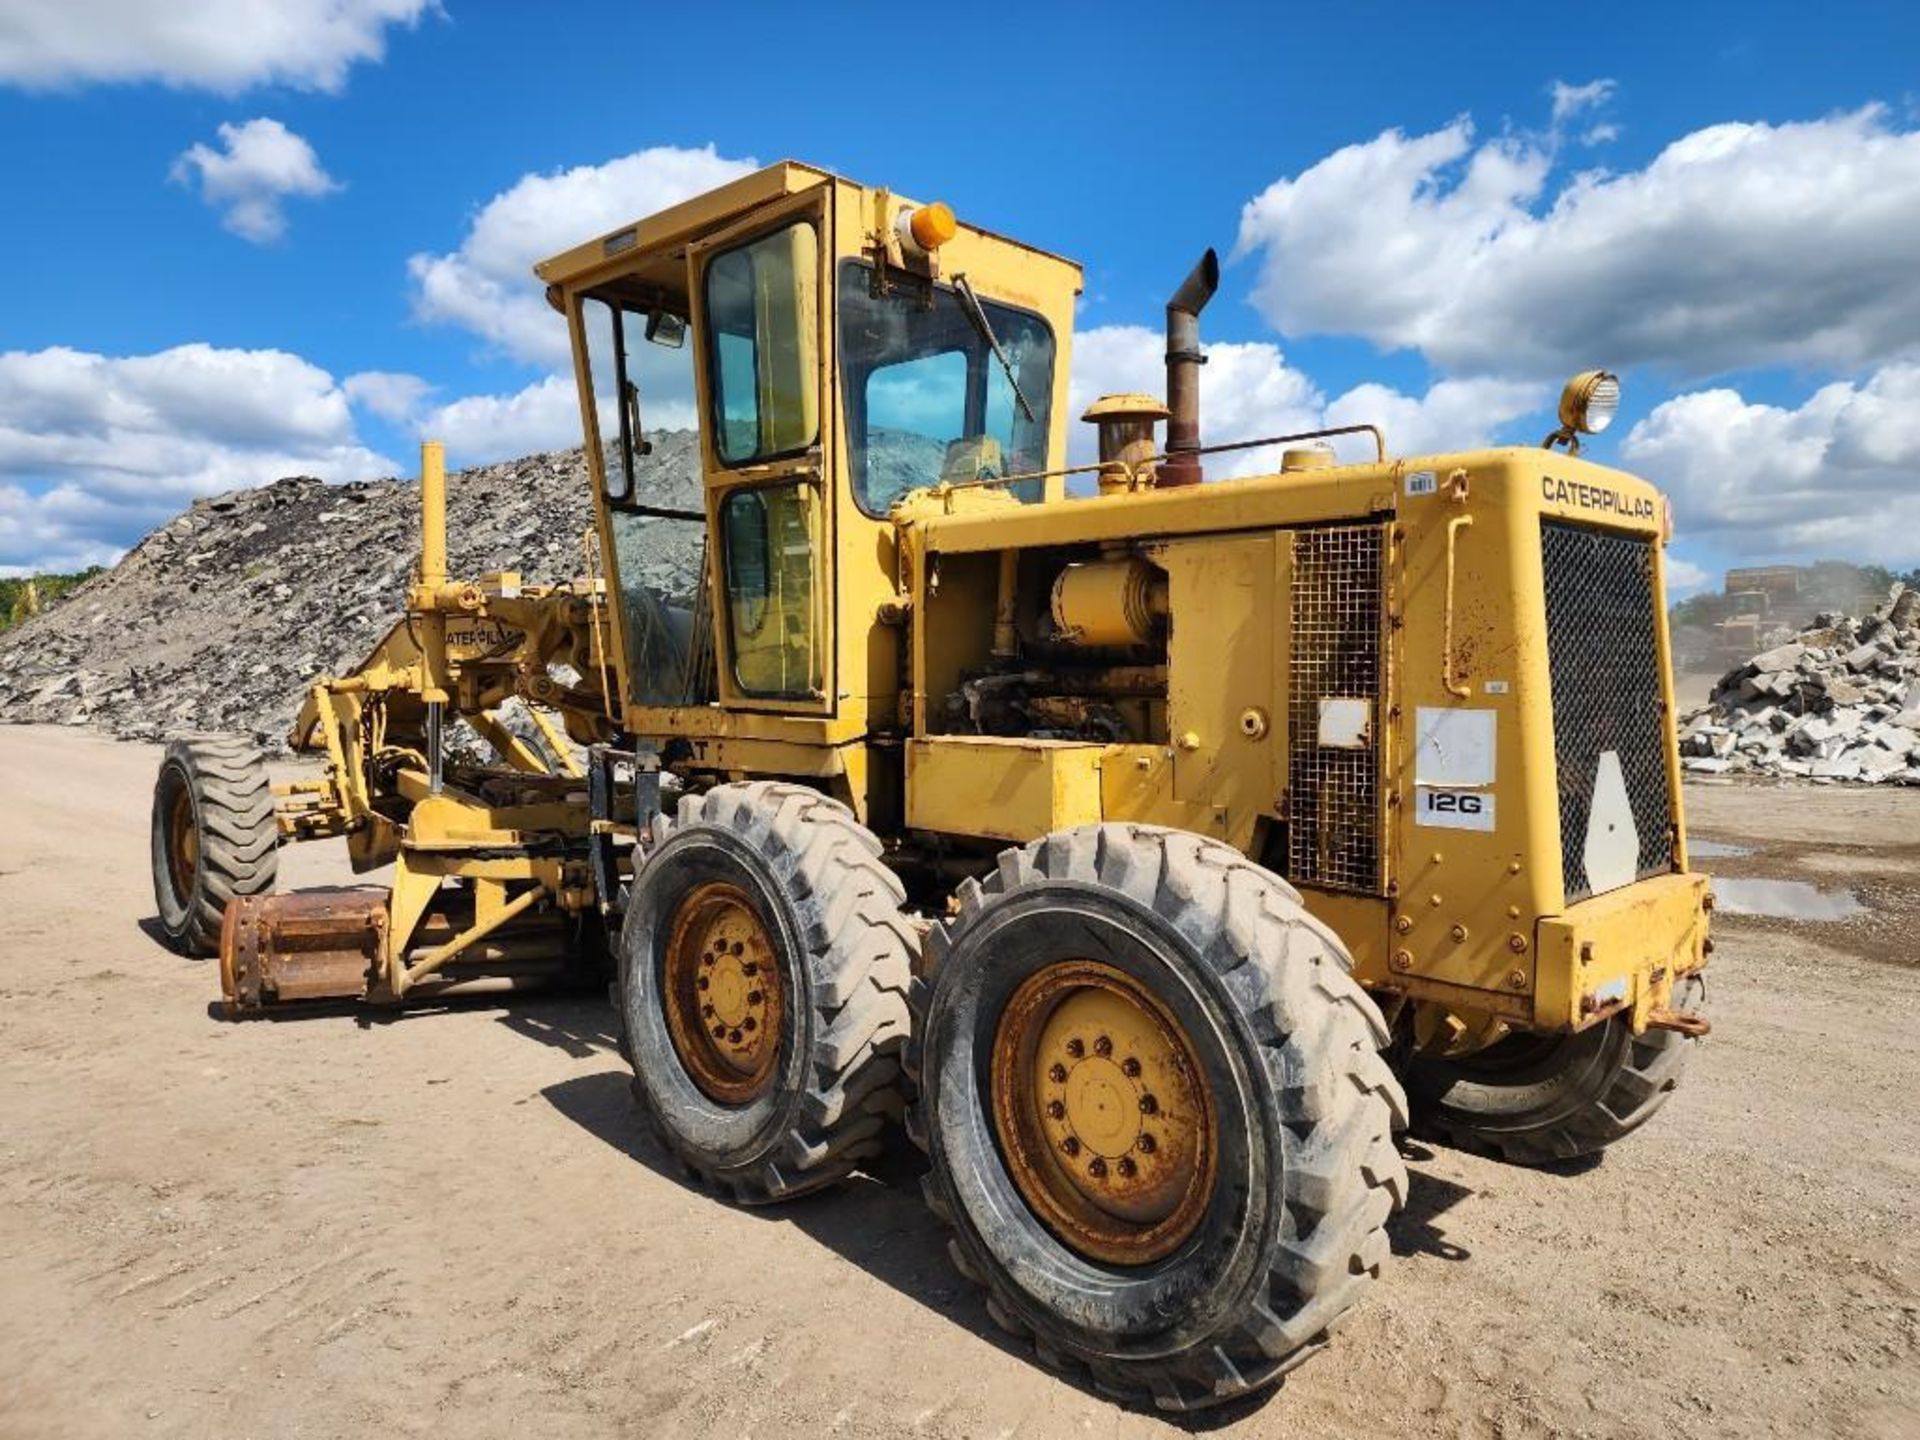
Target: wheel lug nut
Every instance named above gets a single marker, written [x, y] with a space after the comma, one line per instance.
[1126, 1166]
[702, 982]
[1070, 1145]
[1130, 1067]
[1055, 1110]
[1149, 1105]
[750, 968]
[1147, 1144]
[1057, 1073]
[1098, 1169]
[733, 1037]
[738, 948]
[754, 997]
[1103, 1046]
[707, 1010]
[719, 1032]
[1075, 1048]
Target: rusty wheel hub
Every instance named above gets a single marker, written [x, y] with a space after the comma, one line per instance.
[183, 844]
[1103, 1113]
[724, 997]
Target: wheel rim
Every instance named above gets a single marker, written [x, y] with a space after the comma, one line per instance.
[1103, 1113]
[183, 843]
[724, 995]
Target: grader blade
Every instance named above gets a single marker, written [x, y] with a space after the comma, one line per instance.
[307, 945]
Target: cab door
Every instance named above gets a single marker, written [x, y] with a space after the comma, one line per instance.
[762, 314]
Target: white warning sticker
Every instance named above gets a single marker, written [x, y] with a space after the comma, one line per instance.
[1454, 749]
[1453, 809]
[1421, 482]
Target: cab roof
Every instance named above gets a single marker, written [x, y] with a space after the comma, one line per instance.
[662, 237]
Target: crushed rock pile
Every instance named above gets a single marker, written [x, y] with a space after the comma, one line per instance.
[219, 620]
[1839, 701]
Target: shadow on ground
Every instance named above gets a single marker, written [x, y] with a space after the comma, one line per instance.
[577, 1025]
[878, 1221]
[1413, 1231]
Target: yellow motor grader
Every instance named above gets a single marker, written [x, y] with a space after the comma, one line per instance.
[1148, 838]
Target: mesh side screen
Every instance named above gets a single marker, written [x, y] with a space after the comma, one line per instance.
[1604, 660]
[1333, 804]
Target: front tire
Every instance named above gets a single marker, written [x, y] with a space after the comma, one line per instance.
[213, 837]
[1199, 976]
[1534, 1100]
[764, 965]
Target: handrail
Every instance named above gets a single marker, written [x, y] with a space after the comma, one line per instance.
[1379, 446]
[1454, 687]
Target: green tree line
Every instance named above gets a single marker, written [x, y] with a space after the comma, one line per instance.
[27, 595]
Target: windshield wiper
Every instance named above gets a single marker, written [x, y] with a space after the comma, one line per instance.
[977, 313]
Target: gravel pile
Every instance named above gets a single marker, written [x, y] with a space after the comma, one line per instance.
[1839, 701]
[221, 618]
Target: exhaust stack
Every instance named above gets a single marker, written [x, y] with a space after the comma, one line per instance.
[1184, 360]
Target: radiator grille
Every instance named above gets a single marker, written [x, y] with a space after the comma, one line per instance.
[1333, 793]
[1604, 660]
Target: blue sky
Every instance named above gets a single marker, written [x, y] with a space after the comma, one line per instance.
[1459, 204]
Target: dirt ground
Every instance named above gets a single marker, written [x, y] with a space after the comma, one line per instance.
[449, 1223]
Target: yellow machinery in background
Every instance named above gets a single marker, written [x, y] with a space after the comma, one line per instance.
[1157, 836]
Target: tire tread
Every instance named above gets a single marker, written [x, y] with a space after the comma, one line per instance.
[239, 837]
[1319, 1035]
[859, 964]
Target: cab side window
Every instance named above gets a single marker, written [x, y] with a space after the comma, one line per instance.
[763, 314]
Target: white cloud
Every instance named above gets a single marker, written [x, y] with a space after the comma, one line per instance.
[1739, 246]
[1571, 100]
[221, 45]
[1452, 415]
[1247, 391]
[386, 393]
[1832, 478]
[488, 286]
[95, 450]
[260, 164]
[1684, 577]
[480, 428]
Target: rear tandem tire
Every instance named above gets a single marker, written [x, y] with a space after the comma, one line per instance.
[795, 865]
[1534, 1100]
[1299, 1172]
[213, 837]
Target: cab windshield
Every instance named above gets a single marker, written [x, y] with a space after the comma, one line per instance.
[925, 397]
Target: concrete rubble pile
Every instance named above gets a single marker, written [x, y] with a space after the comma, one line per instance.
[1838, 702]
[220, 619]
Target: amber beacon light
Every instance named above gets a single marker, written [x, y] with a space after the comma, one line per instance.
[927, 227]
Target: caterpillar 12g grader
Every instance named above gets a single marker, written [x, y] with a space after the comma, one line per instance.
[1149, 844]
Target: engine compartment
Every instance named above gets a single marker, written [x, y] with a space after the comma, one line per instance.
[1076, 649]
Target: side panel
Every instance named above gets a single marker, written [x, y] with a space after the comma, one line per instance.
[1229, 742]
[1002, 788]
[1477, 845]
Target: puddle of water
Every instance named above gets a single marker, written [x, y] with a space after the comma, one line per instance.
[1784, 900]
[1715, 850]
